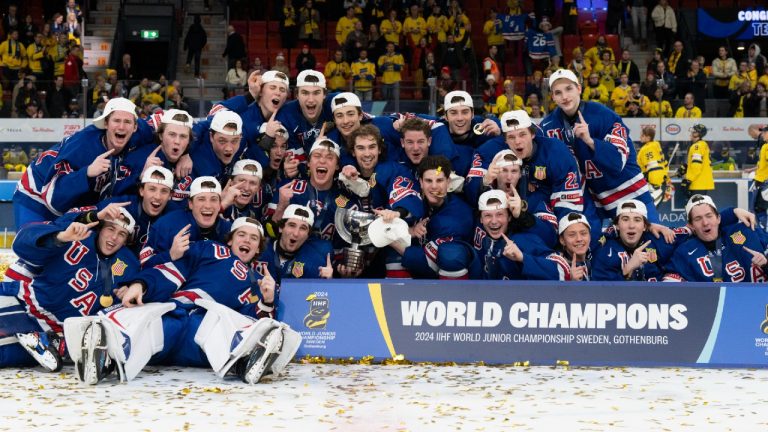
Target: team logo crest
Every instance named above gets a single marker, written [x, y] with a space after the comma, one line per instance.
[652, 257]
[341, 201]
[118, 268]
[764, 324]
[372, 181]
[738, 238]
[298, 269]
[540, 173]
[319, 312]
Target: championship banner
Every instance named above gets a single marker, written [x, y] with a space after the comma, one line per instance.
[583, 323]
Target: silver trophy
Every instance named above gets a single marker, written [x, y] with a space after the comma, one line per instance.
[352, 226]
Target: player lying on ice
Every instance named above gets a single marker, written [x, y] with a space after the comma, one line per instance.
[208, 308]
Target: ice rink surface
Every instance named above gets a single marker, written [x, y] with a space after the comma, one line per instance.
[333, 397]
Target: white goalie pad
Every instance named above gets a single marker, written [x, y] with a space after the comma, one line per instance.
[291, 343]
[134, 335]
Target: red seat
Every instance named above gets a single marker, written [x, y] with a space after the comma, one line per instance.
[570, 42]
[257, 27]
[273, 26]
[240, 27]
[613, 41]
[588, 41]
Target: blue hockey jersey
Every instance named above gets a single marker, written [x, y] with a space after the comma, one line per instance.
[322, 203]
[540, 45]
[304, 264]
[391, 187]
[495, 266]
[609, 259]
[512, 26]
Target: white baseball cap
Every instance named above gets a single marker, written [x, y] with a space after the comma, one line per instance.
[128, 226]
[347, 99]
[458, 98]
[325, 143]
[632, 206]
[166, 181]
[563, 73]
[506, 158]
[698, 200]
[171, 113]
[513, 120]
[571, 219]
[383, 234]
[300, 212]
[115, 104]
[247, 167]
[223, 118]
[197, 186]
[275, 76]
[493, 194]
[247, 221]
[310, 77]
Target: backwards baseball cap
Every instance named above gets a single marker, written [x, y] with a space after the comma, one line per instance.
[571, 219]
[204, 184]
[696, 200]
[383, 234]
[506, 158]
[247, 167]
[300, 212]
[514, 120]
[168, 118]
[247, 221]
[275, 76]
[310, 77]
[346, 99]
[493, 194]
[223, 118]
[632, 206]
[125, 222]
[150, 176]
[563, 74]
[115, 104]
[327, 144]
[457, 98]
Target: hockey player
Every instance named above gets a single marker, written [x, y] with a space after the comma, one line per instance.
[606, 156]
[761, 178]
[219, 145]
[467, 129]
[634, 254]
[718, 251]
[549, 174]
[165, 242]
[217, 297]
[84, 168]
[242, 195]
[697, 173]
[295, 254]
[82, 269]
[651, 160]
[442, 247]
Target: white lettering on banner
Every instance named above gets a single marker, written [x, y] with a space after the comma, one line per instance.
[753, 15]
[39, 130]
[675, 129]
[620, 316]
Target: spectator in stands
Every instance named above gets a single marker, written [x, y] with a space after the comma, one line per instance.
[175, 100]
[27, 31]
[490, 66]
[695, 82]
[27, 93]
[346, 25]
[725, 162]
[12, 56]
[280, 64]
[57, 98]
[32, 110]
[614, 23]
[593, 55]
[194, 43]
[491, 91]
[509, 101]
[337, 72]
[689, 108]
[390, 65]
[723, 68]
[620, 95]
[73, 109]
[577, 65]
[649, 85]
[355, 41]
[437, 23]
[57, 24]
[452, 56]
[665, 25]
[305, 60]
[639, 13]
[430, 68]
[742, 76]
[594, 90]
[678, 64]
[445, 84]
[309, 25]
[363, 76]
[73, 70]
[492, 31]
[414, 28]
[668, 81]
[376, 42]
[554, 64]
[258, 65]
[10, 20]
[35, 56]
[756, 60]
[374, 11]
[391, 28]
[757, 101]
[236, 78]
[533, 85]
[72, 27]
[633, 109]
[418, 60]
[125, 72]
[658, 57]
[629, 67]
[288, 25]
[235, 48]
[741, 101]
[74, 8]
[607, 70]
[659, 106]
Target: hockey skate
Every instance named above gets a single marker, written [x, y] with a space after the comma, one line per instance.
[94, 364]
[47, 348]
[259, 362]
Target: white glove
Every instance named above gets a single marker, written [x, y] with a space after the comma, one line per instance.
[358, 187]
[455, 183]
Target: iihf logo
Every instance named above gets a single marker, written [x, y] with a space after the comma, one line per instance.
[764, 324]
[319, 312]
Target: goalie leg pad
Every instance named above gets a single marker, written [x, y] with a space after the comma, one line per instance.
[291, 343]
[262, 357]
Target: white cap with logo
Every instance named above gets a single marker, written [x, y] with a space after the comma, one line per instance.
[457, 98]
[150, 176]
[300, 212]
[171, 113]
[275, 76]
[224, 118]
[247, 167]
[198, 187]
[698, 200]
[247, 221]
[346, 99]
[129, 224]
[115, 104]
[310, 77]
[513, 120]
[563, 73]
[632, 206]
[493, 194]
[571, 219]
[327, 144]
[506, 158]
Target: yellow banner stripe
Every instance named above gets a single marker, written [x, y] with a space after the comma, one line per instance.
[378, 307]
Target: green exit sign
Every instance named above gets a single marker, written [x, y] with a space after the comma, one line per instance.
[150, 34]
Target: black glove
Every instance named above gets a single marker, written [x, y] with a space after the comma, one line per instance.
[681, 170]
[685, 185]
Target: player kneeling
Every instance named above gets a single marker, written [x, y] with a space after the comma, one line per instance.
[220, 315]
